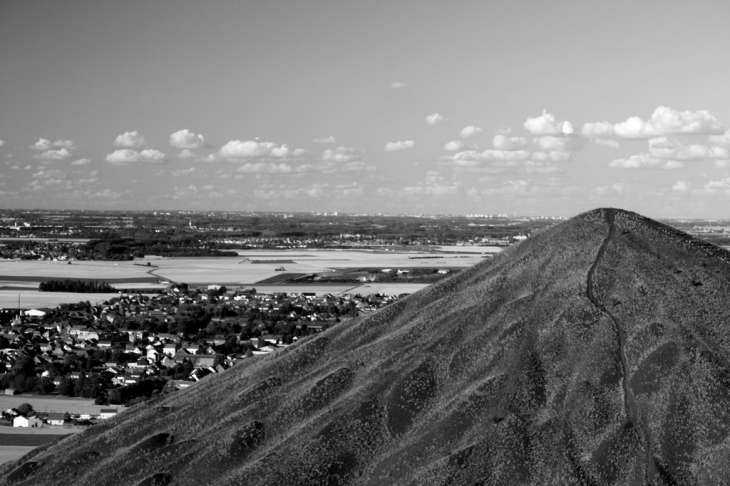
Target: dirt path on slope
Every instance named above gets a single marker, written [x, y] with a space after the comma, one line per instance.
[630, 408]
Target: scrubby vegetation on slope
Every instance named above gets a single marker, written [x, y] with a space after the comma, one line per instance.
[511, 372]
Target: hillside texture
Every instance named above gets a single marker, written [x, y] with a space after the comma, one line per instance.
[595, 352]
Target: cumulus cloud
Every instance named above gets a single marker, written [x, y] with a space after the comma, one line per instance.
[607, 142]
[392, 146]
[81, 162]
[397, 85]
[502, 141]
[664, 121]
[330, 139]
[241, 151]
[2, 142]
[67, 144]
[59, 154]
[562, 144]
[721, 184]
[435, 119]
[470, 131]
[723, 139]
[45, 144]
[546, 124]
[645, 161]
[185, 139]
[492, 155]
[192, 171]
[669, 148]
[454, 146]
[681, 186]
[128, 156]
[342, 154]
[265, 167]
[41, 144]
[130, 139]
[185, 154]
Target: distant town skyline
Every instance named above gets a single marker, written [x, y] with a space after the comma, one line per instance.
[539, 108]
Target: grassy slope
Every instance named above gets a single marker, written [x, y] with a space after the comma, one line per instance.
[503, 374]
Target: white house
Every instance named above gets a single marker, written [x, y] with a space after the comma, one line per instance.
[21, 421]
[107, 413]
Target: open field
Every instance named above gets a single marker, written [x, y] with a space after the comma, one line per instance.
[233, 271]
[335, 289]
[13, 453]
[252, 267]
[30, 438]
[471, 249]
[42, 403]
[15, 442]
[64, 240]
[33, 299]
[388, 288]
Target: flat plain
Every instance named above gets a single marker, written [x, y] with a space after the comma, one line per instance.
[51, 404]
[251, 268]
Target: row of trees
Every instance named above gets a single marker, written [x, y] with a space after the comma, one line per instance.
[79, 286]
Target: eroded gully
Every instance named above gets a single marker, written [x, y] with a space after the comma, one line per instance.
[629, 403]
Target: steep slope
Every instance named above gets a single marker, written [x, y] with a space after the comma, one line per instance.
[593, 353]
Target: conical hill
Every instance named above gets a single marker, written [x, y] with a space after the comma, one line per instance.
[595, 352]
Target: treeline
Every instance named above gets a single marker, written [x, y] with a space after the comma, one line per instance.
[130, 248]
[79, 286]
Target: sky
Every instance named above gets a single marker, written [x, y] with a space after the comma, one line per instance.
[466, 107]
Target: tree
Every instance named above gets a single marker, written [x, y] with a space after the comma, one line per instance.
[25, 408]
[24, 366]
[66, 387]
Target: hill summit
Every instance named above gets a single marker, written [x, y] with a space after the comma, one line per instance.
[595, 352]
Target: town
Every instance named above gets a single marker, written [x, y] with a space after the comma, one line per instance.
[136, 346]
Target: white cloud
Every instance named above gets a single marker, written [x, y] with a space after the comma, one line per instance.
[681, 186]
[67, 144]
[185, 154]
[504, 142]
[435, 119]
[59, 154]
[645, 161]
[492, 155]
[454, 146]
[397, 85]
[240, 151]
[433, 185]
[470, 131]
[342, 154]
[664, 121]
[192, 171]
[45, 144]
[722, 184]
[185, 139]
[723, 139]
[669, 148]
[264, 167]
[128, 156]
[2, 142]
[41, 144]
[392, 146]
[553, 156]
[540, 167]
[130, 139]
[81, 162]
[330, 139]
[562, 144]
[546, 124]
[607, 142]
